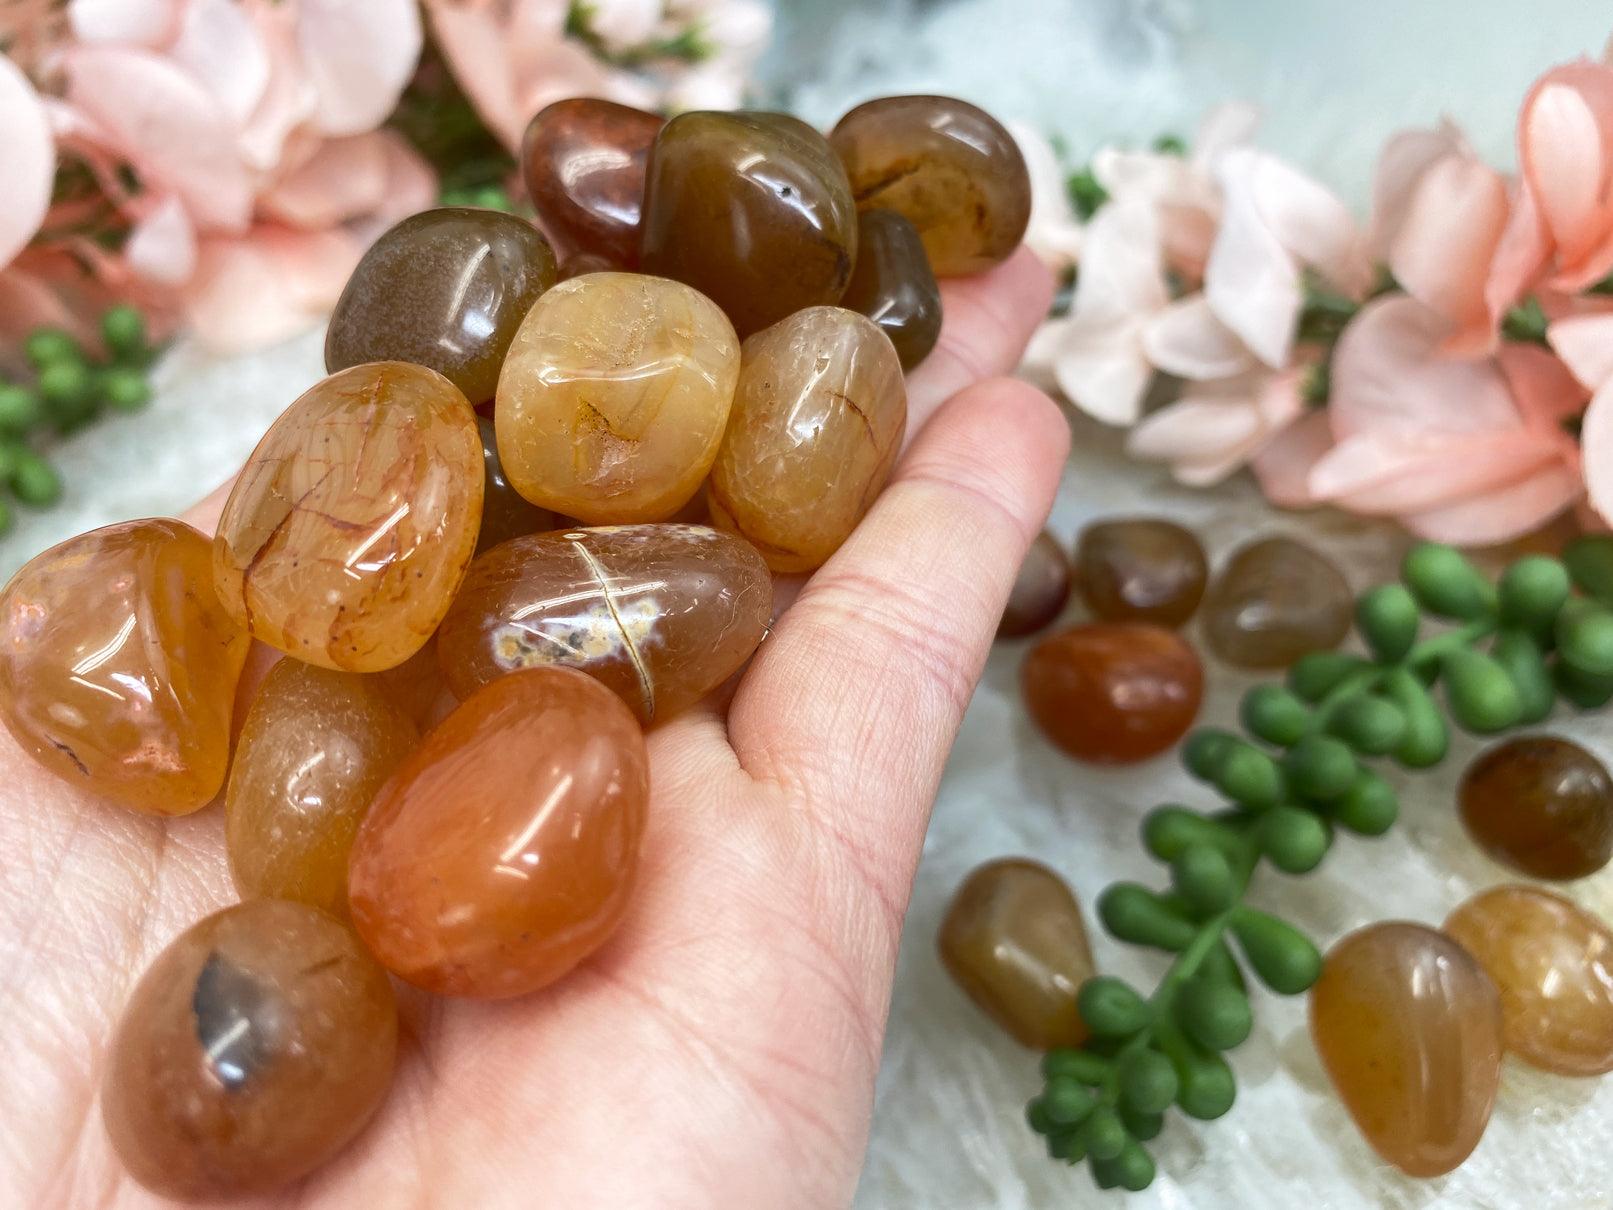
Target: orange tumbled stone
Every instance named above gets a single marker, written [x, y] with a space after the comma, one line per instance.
[1408, 1027]
[614, 397]
[817, 423]
[316, 746]
[1014, 940]
[504, 851]
[350, 528]
[1113, 692]
[118, 665]
[253, 1049]
[1553, 964]
[660, 614]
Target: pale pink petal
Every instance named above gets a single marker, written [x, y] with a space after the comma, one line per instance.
[1186, 339]
[343, 179]
[1401, 164]
[288, 98]
[1596, 445]
[253, 290]
[149, 23]
[623, 24]
[162, 246]
[1103, 371]
[1193, 428]
[1389, 378]
[1223, 127]
[1563, 147]
[29, 154]
[1385, 476]
[1545, 389]
[1520, 256]
[221, 47]
[1311, 224]
[1283, 465]
[1054, 233]
[1504, 515]
[473, 42]
[1121, 277]
[1450, 227]
[358, 58]
[167, 125]
[1585, 343]
[1251, 281]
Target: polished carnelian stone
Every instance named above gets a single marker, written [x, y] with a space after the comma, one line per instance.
[253, 1049]
[350, 528]
[118, 665]
[316, 746]
[583, 162]
[614, 397]
[1113, 692]
[1553, 964]
[504, 851]
[1140, 569]
[1040, 590]
[817, 423]
[752, 210]
[1276, 600]
[892, 284]
[445, 289]
[1541, 805]
[949, 168]
[661, 614]
[506, 513]
[1408, 1027]
[1014, 940]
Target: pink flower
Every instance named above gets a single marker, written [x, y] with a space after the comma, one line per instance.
[1469, 451]
[1439, 214]
[30, 153]
[1054, 233]
[1216, 427]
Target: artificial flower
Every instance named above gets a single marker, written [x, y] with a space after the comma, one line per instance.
[1054, 232]
[25, 185]
[1216, 427]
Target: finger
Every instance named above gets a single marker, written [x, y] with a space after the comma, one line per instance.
[987, 320]
[855, 699]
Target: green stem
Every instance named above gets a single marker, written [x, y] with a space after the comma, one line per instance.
[1436, 648]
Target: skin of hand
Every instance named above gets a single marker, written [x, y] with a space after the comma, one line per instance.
[721, 1050]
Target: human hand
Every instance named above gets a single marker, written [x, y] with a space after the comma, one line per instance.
[721, 1050]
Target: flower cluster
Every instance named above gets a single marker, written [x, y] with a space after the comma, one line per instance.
[1448, 363]
[223, 163]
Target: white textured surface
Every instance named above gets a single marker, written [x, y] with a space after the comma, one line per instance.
[948, 1132]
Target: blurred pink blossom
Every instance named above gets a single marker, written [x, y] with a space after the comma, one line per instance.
[1054, 232]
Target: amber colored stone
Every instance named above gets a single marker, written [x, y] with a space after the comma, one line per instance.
[817, 423]
[1553, 965]
[614, 397]
[1540, 805]
[118, 665]
[579, 263]
[316, 746]
[1140, 569]
[1276, 600]
[1408, 1027]
[752, 211]
[417, 687]
[1113, 692]
[661, 614]
[947, 167]
[506, 513]
[1014, 940]
[445, 289]
[253, 1049]
[1040, 590]
[892, 284]
[349, 530]
[583, 161]
[504, 851]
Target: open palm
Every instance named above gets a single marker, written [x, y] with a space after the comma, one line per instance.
[721, 1050]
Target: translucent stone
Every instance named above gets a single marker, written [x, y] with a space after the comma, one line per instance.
[892, 284]
[1540, 805]
[948, 168]
[1408, 1027]
[1276, 600]
[751, 209]
[506, 513]
[817, 423]
[583, 161]
[614, 397]
[417, 687]
[445, 289]
[1113, 692]
[660, 614]
[118, 665]
[316, 746]
[1140, 569]
[253, 1049]
[1553, 964]
[1014, 940]
[1040, 590]
[504, 851]
[350, 528]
